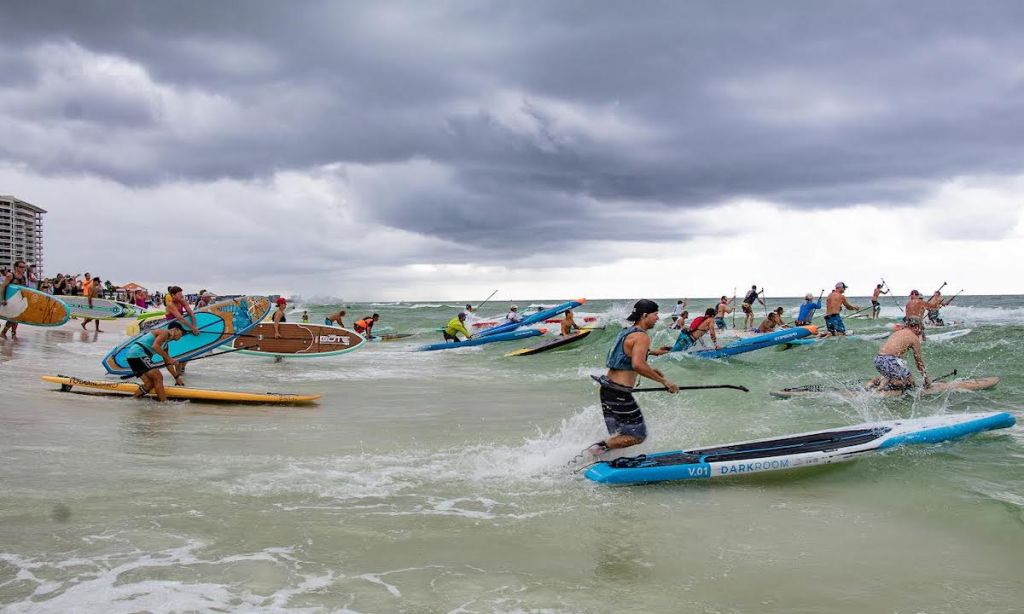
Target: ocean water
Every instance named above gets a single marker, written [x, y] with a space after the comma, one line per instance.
[440, 482]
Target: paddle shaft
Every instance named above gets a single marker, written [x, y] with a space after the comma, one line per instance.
[891, 295]
[734, 307]
[485, 300]
[164, 364]
[709, 387]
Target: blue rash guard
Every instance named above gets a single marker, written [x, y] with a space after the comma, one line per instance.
[807, 311]
[617, 357]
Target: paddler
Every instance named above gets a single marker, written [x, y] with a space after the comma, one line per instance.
[456, 325]
[678, 311]
[700, 326]
[177, 307]
[569, 323]
[305, 317]
[141, 352]
[833, 306]
[513, 314]
[365, 326]
[888, 362]
[935, 303]
[748, 306]
[336, 318]
[279, 316]
[626, 361]
[773, 321]
[721, 311]
[94, 291]
[807, 310]
[19, 277]
[876, 306]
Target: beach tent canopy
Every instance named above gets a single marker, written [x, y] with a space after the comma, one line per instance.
[133, 287]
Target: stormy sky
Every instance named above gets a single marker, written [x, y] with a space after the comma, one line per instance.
[416, 150]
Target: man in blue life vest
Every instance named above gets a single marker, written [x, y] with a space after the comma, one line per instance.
[627, 361]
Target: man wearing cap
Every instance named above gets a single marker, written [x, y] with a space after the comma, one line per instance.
[833, 306]
[748, 306]
[916, 306]
[513, 314]
[888, 362]
[626, 361]
[807, 310]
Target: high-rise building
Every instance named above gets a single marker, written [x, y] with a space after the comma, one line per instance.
[21, 233]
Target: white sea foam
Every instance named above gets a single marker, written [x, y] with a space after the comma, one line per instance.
[110, 583]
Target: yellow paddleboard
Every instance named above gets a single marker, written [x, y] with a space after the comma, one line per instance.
[182, 392]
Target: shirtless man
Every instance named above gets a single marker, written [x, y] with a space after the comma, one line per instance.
[569, 323]
[700, 326]
[876, 307]
[934, 304]
[748, 306]
[336, 318]
[889, 361]
[773, 321]
[916, 306]
[626, 362]
[720, 312]
[833, 306]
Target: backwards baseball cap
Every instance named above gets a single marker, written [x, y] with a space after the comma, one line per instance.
[913, 292]
[808, 296]
[642, 308]
[841, 285]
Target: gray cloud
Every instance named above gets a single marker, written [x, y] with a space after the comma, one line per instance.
[547, 123]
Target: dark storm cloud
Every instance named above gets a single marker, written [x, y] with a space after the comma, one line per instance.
[556, 121]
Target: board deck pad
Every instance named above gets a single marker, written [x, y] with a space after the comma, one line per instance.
[305, 340]
[28, 306]
[68, 384]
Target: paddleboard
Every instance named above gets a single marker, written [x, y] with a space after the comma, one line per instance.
[793, 451]
[152, 313]
[532, 318]
[101, 309]
[947, 336]
[218, 324]
[964, 385]
[756, 342]
[506, 336]
[948, 324]
[391, 337]
[28, 306]
[298, 340]
[67, 384]
[128, 310]
[557, 342]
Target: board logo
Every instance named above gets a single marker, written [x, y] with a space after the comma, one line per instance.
[334, 339]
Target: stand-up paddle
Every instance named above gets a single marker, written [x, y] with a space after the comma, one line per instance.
[610, 384]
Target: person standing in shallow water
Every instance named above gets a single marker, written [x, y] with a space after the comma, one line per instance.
[626, 362]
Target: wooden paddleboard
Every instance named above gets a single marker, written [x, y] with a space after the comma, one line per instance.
[28, 306]
[101, 309]
[557, 342]
[67, 384]
[298, 340]
[966, 385]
